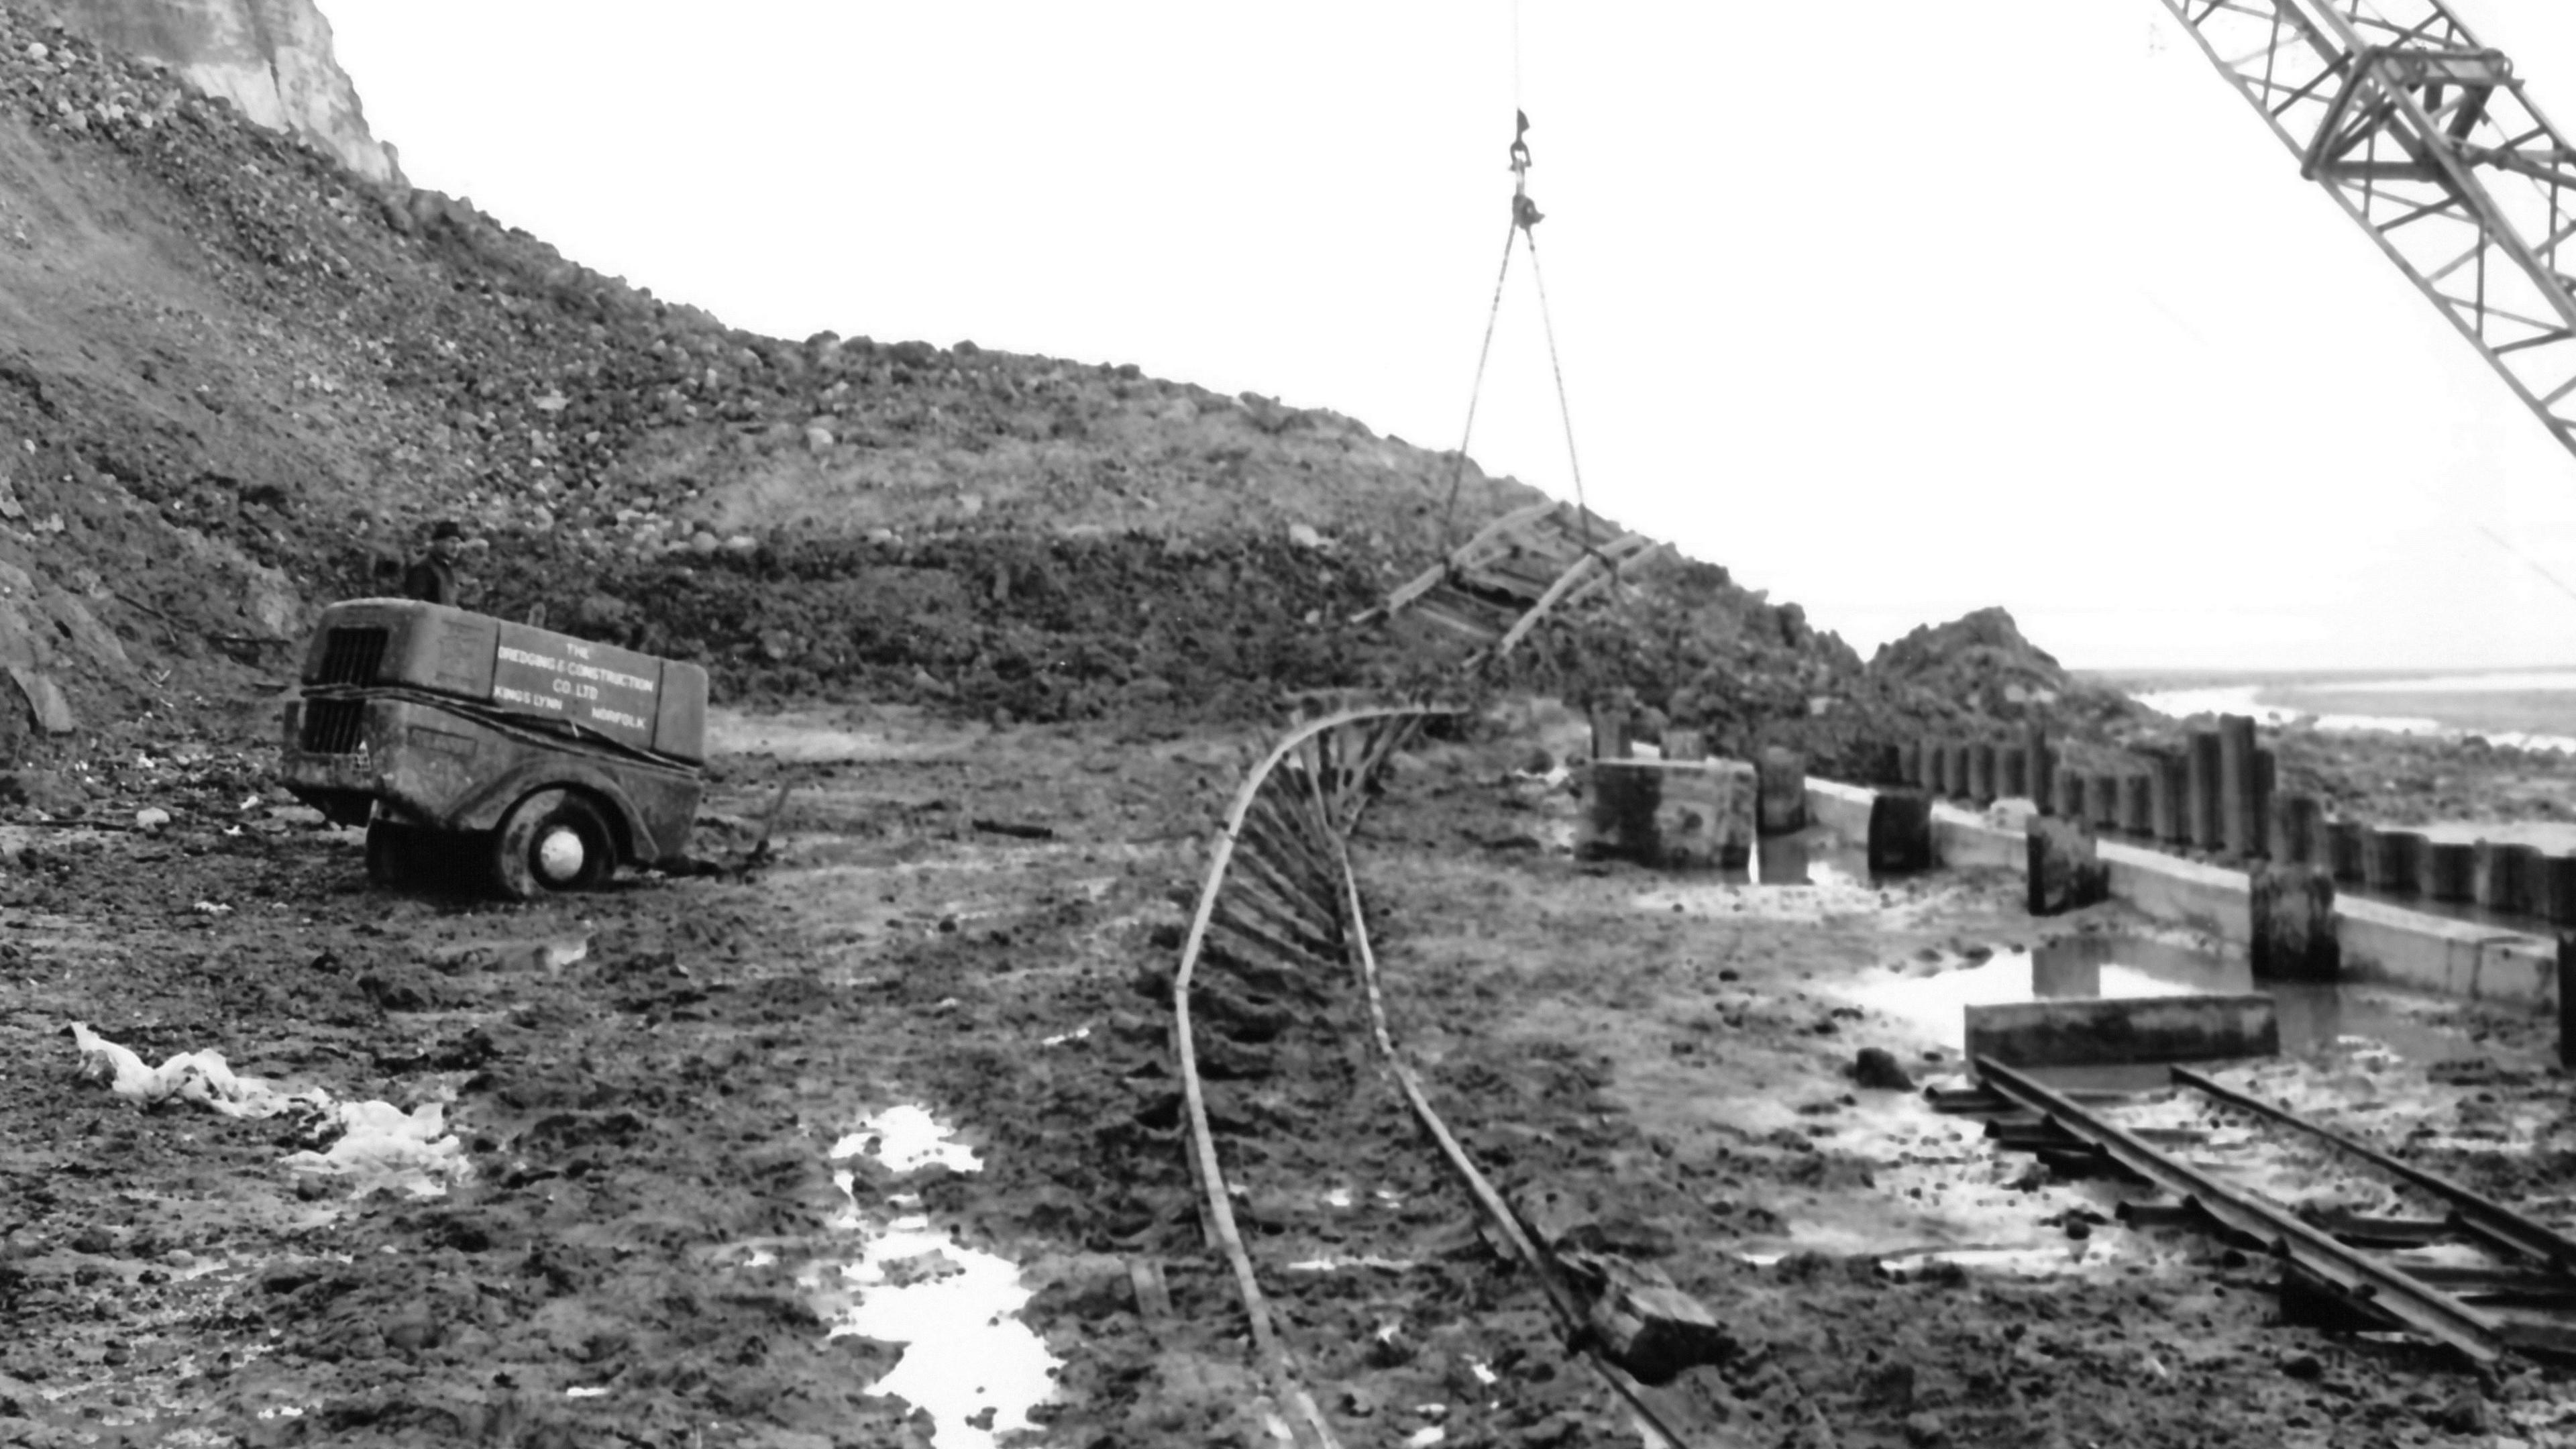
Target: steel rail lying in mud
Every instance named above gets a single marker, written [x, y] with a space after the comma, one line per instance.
[1280, 882]
[2383, 1289]
[1297, 899]
[1276, 825]
[1507, 1224]
[2483, 1217]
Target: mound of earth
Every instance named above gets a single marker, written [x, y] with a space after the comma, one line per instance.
[241, 379]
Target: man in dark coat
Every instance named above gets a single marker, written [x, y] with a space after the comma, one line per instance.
[433, 578]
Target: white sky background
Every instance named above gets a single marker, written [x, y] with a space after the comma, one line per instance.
[1896, 309]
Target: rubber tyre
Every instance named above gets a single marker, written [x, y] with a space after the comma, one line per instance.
[393, 852]
[552, 841]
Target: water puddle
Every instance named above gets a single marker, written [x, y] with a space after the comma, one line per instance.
[1809, 876]
[968, 1361]
[1928, 997]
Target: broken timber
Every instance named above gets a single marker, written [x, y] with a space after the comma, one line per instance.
[2316, 1256]
[1498, 585]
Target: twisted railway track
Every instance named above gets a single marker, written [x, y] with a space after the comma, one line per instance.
[1282, 899]
[1282, 914]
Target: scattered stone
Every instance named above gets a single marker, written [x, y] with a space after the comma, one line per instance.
[1877, 1069]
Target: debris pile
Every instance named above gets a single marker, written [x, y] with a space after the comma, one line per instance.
[375, 1145]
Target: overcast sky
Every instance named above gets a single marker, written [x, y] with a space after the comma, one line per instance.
[1893, 308]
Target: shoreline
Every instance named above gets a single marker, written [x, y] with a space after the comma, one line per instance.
[2502, 717]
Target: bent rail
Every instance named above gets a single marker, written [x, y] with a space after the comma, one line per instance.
[1330, 763]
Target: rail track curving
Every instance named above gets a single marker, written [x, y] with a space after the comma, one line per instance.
[1282, 901]
[1281, 896]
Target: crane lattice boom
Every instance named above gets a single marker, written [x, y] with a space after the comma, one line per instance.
[2428, 140]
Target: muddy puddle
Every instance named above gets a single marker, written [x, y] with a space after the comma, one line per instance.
[1927, 996]
[1942, 1192]
[1812, 875]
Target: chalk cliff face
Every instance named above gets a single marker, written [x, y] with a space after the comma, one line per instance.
[272, 58]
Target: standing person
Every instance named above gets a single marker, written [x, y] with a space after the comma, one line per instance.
[433, 578]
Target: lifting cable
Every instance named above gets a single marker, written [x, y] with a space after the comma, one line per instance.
[1525, 219]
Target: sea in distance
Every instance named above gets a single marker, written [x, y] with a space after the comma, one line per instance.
[2530, 708]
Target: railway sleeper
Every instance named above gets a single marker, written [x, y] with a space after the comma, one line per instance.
[1256, 968]
[1221, 1058]
[1246, 1016]
[1304, 892]
[1261, 917]
[1292, 842]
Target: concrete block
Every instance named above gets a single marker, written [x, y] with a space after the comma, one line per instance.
[2450, 870]
[2204, 896]
[2400, 947]
[2392, 861]
[2124, 1029]
[2237, 791]
[1685, 745]
[1961, 839]
[1674, 814]
[2504, 873]
[2293, 924]
[2521, 969]
[1840, 808]
[2208, 830]
[1781, 777]
[2341, 850]
[1900, 832]
[2065, 872]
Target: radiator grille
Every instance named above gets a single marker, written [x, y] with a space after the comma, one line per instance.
[350, 656]
[333, 726]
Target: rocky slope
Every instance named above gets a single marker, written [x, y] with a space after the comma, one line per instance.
[241, 378]
[271, 58]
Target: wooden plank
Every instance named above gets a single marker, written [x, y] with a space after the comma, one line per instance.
[2124, 1029]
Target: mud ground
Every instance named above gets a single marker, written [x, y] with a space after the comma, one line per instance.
[649, 1084]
